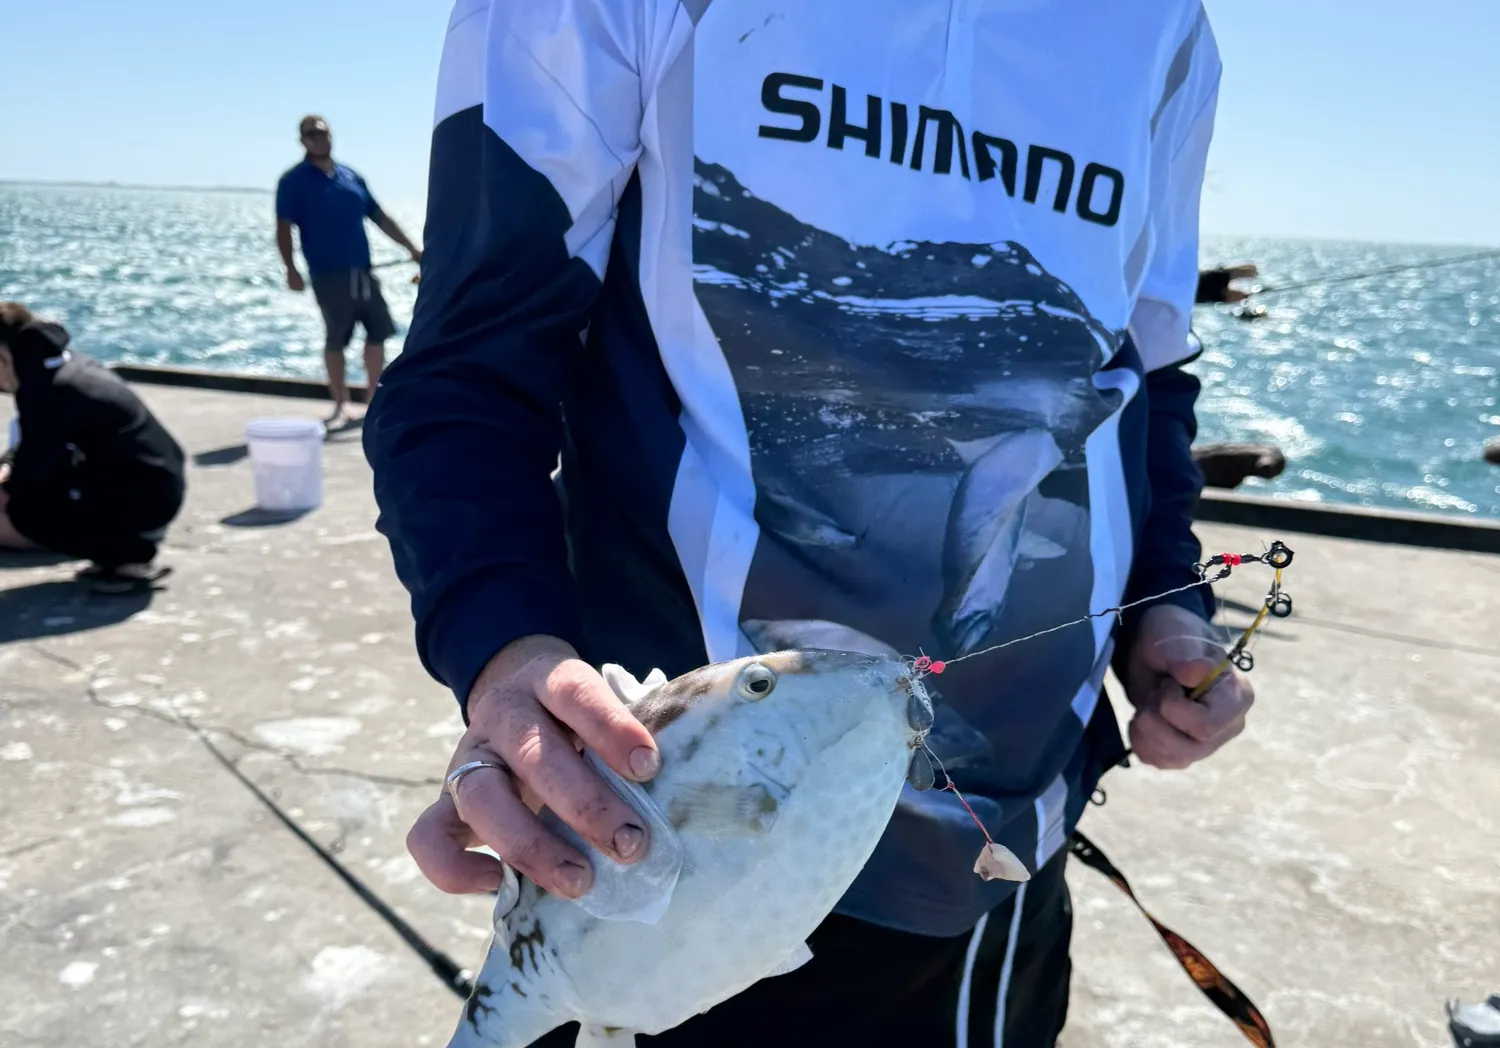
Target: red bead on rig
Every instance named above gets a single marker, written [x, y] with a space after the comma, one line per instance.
[926, 664]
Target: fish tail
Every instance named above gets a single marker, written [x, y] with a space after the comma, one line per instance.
[500, 1018]
[604, 1037]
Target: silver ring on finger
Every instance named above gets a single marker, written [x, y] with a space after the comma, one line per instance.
[451, 784]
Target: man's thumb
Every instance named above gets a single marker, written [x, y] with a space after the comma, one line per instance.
[1192, 671]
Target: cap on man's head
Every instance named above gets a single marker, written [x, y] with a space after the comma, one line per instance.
[311, 122]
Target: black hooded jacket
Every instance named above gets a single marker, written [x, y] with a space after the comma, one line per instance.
[84, 434]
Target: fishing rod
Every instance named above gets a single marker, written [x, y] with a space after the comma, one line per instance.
[452, 975]
[1386, 271]
[388, 263]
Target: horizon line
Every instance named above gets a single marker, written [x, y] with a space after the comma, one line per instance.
[75, 183]
[264, 191]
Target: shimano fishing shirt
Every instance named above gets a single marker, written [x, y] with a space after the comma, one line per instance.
[856, 324]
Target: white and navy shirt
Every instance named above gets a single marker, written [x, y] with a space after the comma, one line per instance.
[856, 323]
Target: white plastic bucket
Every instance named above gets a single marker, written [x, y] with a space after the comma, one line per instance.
[286, 456]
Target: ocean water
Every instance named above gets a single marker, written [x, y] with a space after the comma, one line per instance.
[1380, 393]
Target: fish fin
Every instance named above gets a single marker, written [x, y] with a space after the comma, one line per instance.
[794, 960]
[642, 890]
[713, 809]
[498, 1015]
[626, 687]
[591, 1036]
[793, 520]
[507, 897]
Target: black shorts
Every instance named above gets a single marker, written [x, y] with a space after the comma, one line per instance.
[1004, 984]
[347, 296]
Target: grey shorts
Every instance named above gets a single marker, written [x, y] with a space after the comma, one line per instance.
[349, 296]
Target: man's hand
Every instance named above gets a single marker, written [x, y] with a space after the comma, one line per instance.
[4, 473]
[530, 709]
[1244, 271]
[1174, 650]
[294, 279]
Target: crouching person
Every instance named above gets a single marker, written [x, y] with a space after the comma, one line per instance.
[94, 475]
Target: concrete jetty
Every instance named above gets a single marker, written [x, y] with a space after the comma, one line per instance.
[1339, 861]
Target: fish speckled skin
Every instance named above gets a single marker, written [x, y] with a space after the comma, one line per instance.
[777, 801]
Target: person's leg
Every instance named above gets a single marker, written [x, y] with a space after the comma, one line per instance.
[122, 558]
[374, 365]
[10, 538]
[338, 386]
[375, 315]
[115, 524]
[142, 512]
[1018, 980]
[335, 293]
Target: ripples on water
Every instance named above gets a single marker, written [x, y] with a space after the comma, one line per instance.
[1381, 392]
[185, 278]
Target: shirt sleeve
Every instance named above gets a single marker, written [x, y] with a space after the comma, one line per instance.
[537, 132]
[286, 201]
[1183, 127]
[1161, 330]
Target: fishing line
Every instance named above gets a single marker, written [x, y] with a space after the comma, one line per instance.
[1277, 603]
[937, 665]
[452, 975]
[1365, 275]
[994, 858]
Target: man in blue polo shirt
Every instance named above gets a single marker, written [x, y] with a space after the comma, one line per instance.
[328, 202]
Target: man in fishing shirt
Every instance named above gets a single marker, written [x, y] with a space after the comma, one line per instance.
[328, 202]
[857, 325]
[95, 475]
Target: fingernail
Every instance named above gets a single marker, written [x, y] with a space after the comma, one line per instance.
[628, 840]
[644, 762]
[572, 879]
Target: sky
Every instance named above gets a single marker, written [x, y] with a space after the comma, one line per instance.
[1371, 120]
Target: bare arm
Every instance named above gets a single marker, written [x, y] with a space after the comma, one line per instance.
[387, 225]
[284, 245]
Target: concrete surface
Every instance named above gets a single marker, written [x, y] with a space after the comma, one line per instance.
[1340, 861]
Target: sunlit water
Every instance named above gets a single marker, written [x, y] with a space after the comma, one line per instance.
[1381, 392]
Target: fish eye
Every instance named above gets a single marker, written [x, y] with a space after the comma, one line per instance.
[756, 682]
